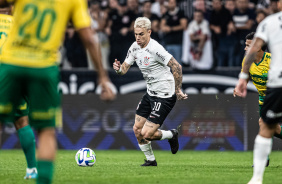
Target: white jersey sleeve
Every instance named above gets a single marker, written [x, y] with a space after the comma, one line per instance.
[162, 56]
[130, 59]
[262, 31]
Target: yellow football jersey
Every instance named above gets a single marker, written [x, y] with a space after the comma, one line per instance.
[258, 73]
[6, 22]
[39, 28]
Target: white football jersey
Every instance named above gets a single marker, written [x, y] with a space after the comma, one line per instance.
[270, 31]
[152, 61]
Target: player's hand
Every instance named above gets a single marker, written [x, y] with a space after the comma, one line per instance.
[116, 65]
[241, 88]
[180, 95]
[106, 94]
[235, 93]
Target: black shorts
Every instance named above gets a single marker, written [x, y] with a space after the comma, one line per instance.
[155, 109]
[271, 111]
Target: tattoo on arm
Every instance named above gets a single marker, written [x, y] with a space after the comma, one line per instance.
[124, 68]
[176, 71]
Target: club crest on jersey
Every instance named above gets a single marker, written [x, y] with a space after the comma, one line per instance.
[146, 61]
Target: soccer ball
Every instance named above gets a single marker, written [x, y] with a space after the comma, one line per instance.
[85, 157]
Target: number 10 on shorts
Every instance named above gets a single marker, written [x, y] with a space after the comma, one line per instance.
[157, 106]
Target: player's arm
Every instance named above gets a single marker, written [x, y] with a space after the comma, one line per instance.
[121, 69]
[250, 57]
[236, 91]
[93, 48]
[257, 44]
[95, 54]
[176, 70]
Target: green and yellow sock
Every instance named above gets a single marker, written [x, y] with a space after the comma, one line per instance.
[279, 135]
[45, 170]
[27, 141]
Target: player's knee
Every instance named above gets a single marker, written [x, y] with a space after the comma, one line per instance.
[147, 136]
[137, 130]
[21, 122]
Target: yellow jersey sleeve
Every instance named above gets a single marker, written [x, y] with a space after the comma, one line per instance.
[80, 16]
[243, 63]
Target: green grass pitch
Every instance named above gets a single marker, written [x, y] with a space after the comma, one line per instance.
[112, 167]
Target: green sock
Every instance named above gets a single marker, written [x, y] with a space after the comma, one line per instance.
[279, 135]
[27, 141]
[45, 171]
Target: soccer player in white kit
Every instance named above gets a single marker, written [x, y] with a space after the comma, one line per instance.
[163, 75]
[268, 32]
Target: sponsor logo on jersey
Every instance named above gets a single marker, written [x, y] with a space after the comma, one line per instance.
[160, 56]
[147, 50]
[146, 61]
[128, 54]
[155, 114]
[135, 49]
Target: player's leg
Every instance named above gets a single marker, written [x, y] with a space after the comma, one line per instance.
[144, 144]
[270, 116]
[44, 102]
[11, 86]
[151, 132]
[161, 107]
[261, 124]
[262, 149]
[26, 137]
[47, 146]
[142, 112]
[278, 131]
[27, 140]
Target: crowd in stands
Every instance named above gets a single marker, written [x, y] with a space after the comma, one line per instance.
[201, 34]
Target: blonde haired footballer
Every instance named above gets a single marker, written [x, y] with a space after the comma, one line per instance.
[163, 75]
[29, 67]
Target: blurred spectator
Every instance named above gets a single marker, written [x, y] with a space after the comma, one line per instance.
[155, 20]
[243, 18]
[259, 4]
[98, 24]
[173, 24]
[187, 7]
[202, 5]
[75, 51]
[200, 43]
[222, 27]
[159, 8]
[133, 6]
[119, 27]
[230, 5]
[260, 16]
[273, 8]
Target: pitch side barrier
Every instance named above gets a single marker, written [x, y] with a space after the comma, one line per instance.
[209, 122]
[194, 82]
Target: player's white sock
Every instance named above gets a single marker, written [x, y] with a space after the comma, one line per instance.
[166, 134]
[262, 149]
[148, 151]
